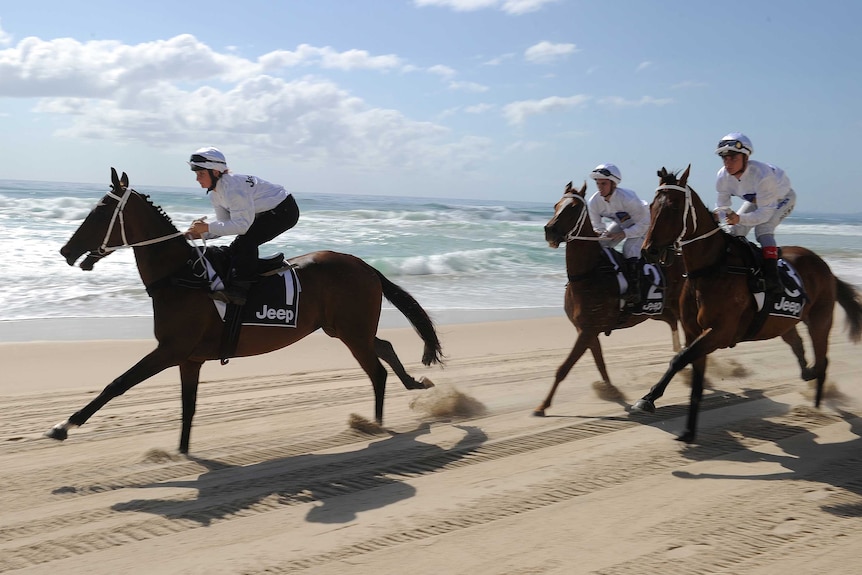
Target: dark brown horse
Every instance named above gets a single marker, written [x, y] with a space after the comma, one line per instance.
[592, 301]
[717, 307]
[341, 294]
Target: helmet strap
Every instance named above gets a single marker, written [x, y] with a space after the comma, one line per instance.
[214, 178]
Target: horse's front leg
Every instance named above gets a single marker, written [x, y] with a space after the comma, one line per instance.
[698, 367]
[586, 339]
[151, 364]
[190, 372]
[679, 361]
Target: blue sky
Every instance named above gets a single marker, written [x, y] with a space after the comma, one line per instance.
[490, 99]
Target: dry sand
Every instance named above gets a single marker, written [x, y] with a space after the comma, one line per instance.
[463, 480]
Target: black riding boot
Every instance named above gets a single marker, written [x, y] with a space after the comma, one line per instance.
[633, 276]
[771, 279]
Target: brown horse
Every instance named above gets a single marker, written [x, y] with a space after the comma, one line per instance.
[341, 294]
[717, 307]
[592, 301]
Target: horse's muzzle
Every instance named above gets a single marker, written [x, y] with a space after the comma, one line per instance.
[553, 237]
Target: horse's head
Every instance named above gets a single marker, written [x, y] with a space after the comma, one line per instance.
[122, 218]
[570, 216]
[669, 212]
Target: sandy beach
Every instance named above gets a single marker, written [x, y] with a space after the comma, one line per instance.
[463, 479]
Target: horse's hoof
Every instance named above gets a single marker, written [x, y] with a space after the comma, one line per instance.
[686, 437]
[808, 374]
[539, 413]
[643, 406]
[425, 383]
[59, 433]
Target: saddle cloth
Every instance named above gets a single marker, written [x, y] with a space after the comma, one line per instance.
[273, 301]
[652, 285]
[792, 301]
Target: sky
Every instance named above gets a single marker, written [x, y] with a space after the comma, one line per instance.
[475, 99]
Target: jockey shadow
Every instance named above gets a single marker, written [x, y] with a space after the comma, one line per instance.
[341, 484]
[804, 458]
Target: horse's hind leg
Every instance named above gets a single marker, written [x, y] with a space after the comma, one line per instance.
[793, 339]
[386, 352]
[366, 355]
[819, 325]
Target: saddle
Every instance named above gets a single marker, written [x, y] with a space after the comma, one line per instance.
[219, 258]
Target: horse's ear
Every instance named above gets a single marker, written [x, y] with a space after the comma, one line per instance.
[568, 187]
[124, 180]
[583, 191]
[684, 177]
[661, 173]
[115, 179]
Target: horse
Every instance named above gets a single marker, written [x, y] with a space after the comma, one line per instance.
[341, 294]
[717, 307]
[592, 300]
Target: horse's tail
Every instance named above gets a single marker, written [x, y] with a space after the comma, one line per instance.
[850, 299]
[418, 317]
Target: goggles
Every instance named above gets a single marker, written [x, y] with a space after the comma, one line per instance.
[731, 146]
[605, 172]
[198, 159]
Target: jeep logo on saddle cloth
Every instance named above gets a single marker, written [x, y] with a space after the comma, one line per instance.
[793, 299]
[272, 302]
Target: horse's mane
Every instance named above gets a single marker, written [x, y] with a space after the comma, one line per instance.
[158, 209]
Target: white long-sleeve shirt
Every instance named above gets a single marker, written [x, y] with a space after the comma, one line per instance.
[625, 208]
[761, 184]
[237, 198]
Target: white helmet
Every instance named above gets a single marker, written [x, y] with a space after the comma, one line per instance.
[208, 158]
[606, 172]
[734, 142]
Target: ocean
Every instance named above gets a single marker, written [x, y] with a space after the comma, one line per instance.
[463, 260]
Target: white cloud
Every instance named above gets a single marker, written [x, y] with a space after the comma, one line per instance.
[327, 58]
[479, 108]
[643, 66]
[177, 91]
[499, 59]
[620, 102]
[467, 87]
[515, 7]
[5, 39]
[442, 71]
[518, 112]
[547, 52]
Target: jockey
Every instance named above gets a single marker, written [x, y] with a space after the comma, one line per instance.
[629, 220]
[768, 200]
[252, 209]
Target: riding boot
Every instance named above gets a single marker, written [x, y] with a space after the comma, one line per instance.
[236, 291]
[771, 279]
[633, 273]
[770, 271]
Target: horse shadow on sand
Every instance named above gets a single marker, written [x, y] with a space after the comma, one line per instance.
[838, 464]
[341, 484]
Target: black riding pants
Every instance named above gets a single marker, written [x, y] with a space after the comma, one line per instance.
[266, 226]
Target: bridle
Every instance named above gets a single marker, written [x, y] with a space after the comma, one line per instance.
[689, 209]
[579, 225]
[105, 249]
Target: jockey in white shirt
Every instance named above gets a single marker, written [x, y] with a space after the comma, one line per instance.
[768, 199]
[629, 220]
